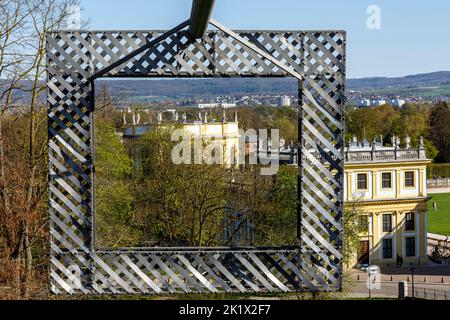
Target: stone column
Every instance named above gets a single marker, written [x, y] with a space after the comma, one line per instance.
[397, 183]
[422, 182]
[349, 186]
[374, 184]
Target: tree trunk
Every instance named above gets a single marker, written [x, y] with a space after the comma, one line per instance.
[18, 269]
[28, 262]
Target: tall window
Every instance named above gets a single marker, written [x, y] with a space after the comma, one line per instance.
[387, 248]
[409, 179]
[410, 247]
[386, 180]
[387, 222]
[410, 225]
[362, 181]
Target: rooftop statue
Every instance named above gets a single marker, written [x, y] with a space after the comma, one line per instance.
[407, 142]
[282, 143]
[159, 118]
[394, 141]
[138, 118]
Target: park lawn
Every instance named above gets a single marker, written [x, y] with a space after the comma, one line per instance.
[439, 220]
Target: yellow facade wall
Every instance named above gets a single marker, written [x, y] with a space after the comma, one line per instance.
[396, 201]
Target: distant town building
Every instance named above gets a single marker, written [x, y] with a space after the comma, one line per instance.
[377, 103]
[284, 101]
[397, 102]
[214, 105]
[364, 103]
[208, 105]
[228, 105]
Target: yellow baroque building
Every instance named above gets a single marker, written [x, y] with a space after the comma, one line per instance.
[388, 185]
[225, 134]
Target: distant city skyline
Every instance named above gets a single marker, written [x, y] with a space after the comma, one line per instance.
[410, 41]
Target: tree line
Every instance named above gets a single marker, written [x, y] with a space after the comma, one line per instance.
[432, 122]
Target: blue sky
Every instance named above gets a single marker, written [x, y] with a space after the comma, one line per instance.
[414, 35]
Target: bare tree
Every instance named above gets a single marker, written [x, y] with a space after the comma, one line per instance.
[23, 28]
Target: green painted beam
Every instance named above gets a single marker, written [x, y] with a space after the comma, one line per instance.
[200, 15]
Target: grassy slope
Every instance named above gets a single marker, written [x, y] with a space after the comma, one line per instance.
[439, 220]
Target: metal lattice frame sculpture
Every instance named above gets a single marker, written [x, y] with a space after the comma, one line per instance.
[77, 58]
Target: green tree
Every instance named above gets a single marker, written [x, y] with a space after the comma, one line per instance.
[384, 118]
[410, 121]
[178, 204]
[288, 129]
[114, 199]
[361, 123]
[440, 130]
[275, 216]
[352, 229]
[111, 158]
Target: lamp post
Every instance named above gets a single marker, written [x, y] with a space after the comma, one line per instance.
[412, 280]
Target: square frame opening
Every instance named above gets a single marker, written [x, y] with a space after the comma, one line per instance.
[221, 120]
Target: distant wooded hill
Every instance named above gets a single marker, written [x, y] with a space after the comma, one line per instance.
[428, 84]
[425, 79]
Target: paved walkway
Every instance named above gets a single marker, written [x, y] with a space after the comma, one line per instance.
[431, 277]
[433, 272]
[438, 190]
[358, 289]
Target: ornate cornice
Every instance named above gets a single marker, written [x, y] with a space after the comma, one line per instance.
[380, 202]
